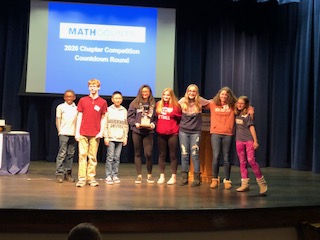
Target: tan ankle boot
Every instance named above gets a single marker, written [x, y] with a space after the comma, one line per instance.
[263, 185]
[227, 184]
[244, 185]
[215, 182]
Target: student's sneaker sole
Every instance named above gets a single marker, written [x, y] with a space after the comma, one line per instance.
[116, 180]
[161, 181]
[93, 183]
[171, 182]
[109, 182]
[150, 180]
[80, 183]
[138, 180]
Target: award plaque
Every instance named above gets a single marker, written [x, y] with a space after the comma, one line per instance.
[145, 122]
[145, 119]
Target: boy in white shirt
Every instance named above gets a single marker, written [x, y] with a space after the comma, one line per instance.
[66, 117]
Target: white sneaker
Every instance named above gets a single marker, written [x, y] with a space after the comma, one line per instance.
[138, 180]
[161, 180]
[150, 179]
[93, 183]
[109, 180]
[116, 180]
[171, 181]
[81, 183]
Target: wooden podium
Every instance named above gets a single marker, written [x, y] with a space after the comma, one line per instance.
[205, 154]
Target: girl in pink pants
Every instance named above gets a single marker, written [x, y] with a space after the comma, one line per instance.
[246, 144]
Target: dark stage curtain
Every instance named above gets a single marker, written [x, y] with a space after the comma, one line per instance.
[279, 1]
[267, 51]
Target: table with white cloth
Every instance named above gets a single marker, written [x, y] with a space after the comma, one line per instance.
[14, 152]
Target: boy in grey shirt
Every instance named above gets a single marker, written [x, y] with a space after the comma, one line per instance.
[115, 136]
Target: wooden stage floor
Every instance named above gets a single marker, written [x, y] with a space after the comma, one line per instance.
[36, 203]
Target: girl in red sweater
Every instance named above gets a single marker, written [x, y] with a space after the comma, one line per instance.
[168, 115]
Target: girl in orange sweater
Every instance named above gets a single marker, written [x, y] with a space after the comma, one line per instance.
[222, 130]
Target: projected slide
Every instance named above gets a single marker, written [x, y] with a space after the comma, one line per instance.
[115, 44]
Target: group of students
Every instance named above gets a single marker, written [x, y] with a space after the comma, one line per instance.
[175, 121]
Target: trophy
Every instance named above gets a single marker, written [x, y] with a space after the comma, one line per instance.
[145, 119]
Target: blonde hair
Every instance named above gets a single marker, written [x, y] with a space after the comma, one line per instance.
[185, 103]
[173, 101]
[232, 99]
[94, 81]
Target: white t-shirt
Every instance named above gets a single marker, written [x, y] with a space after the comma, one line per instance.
[68, 118]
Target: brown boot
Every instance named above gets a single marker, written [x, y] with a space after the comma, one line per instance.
[215, 182]
[184, 179]
[69, 177]
[244, 185]
[263, 185]
[227, 184]
[196, 180]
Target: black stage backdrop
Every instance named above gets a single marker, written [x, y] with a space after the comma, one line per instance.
[267, 51]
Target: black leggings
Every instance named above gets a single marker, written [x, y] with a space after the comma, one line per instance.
[145, 141]
[170, 141]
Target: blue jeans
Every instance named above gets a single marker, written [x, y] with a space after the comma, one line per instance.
[113, 158]
[221, 142]
[64, 160]
[189, 145]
